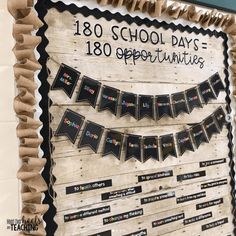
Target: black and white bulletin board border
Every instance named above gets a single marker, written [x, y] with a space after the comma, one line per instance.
[42, 8]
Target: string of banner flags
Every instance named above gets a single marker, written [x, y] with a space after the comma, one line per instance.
[139, 147]
[136, 105]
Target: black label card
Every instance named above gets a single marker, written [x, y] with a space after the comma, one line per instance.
[168, 220]
[129, 104]
[219, 115]
[192, 175]
[133, 147]
[193, 98]
[113, 143]
[217, 84]
[89, 186]
[210, 127]
[214, 184]
[212, 162]
[191, 197]
[179, 103]
[109, 99]
[157, 175]
[91, 136]
[184, 142]
[167, 146]
[70, 125]
[104, 233]
[197, 218]
[87, 213]
[209, 203]
[215, 224]
[145, 104]
[158, 197]
[150, 148]
[89, 90]
[66, 79]
[206, 91]
[142, 232]
[122, 193]
[198, 135]
[163, 106]
[123, 216]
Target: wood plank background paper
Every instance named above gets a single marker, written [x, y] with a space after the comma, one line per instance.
[180, 208]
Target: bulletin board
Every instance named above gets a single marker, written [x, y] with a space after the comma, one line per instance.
[137, 127]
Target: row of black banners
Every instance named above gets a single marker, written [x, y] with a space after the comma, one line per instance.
[137, 146]
[138, 106]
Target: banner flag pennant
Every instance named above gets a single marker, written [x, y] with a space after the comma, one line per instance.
[89, 90]
[109, 99]
[206, 91]
[167, 146]
[198, 135]
[184, 142]
[113, 143]
[91, 136]
[220, 117]
[70, 125]
[193, 98]
[133, 147]
[128, 104]
[145, 103]
[163, 106]
[150, 148]
[210, 127]
[217, 83]
[66, 80]
[179, 103]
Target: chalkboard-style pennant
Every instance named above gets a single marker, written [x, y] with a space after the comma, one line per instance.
[133, 147]
[91, 136]
[109, 99]
[163, 106]
[198, 135]
[128, 104]
[150, 148]
[66, 79]
[184, 141]
[70, 125]
[167, 146]
[145, 103]
[206, 91]
[210, 127]
[89, 90]
[219, 115]
[193, 98]
[217, 84]
[179, 103]
[113, 143]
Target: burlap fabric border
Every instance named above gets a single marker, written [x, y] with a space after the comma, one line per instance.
[26, 21]
[33, 185]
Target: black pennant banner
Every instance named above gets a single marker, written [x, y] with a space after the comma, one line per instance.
[198, 135]
[145, 103]
[113, 143]
[206, 91]
[179, 103]
[217, 84]
[210, 127]
[109, 99]
[133, 147]
[167, 146]
[91, 136]
[89, 90]
[128, 104]
[66, 79]
[150, 148]
[220, 116]
[70, 125]
[184, 142]
[193, 98]
[163, 106]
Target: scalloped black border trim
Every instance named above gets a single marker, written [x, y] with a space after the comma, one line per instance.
[42, 8]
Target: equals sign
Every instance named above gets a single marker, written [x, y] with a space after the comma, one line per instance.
[204, 45]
